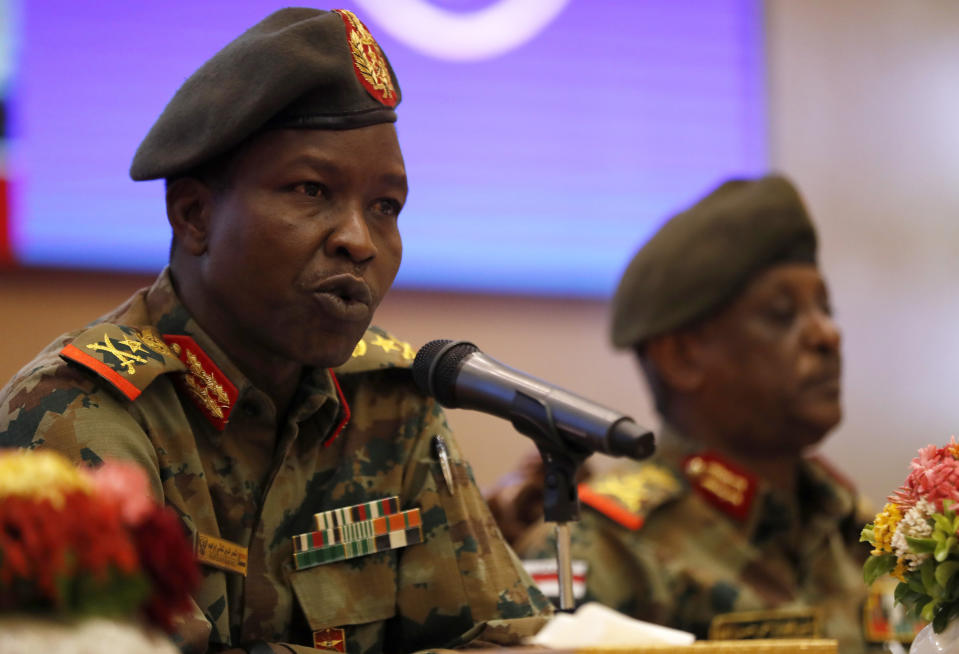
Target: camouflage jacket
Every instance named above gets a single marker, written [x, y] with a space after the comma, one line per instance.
[146, 383]
[689, 540]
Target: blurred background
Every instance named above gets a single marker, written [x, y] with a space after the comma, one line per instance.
[545, 140]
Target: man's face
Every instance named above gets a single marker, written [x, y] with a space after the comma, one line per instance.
[303, 242]
[772, 362]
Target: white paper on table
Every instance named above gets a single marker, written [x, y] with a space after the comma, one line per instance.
[595, 625]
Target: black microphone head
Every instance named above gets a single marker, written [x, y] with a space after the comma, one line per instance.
[436, 365]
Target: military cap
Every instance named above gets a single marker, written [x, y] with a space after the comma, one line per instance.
[298, 67]
[703, 256]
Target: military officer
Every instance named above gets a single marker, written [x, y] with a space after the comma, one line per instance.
[735, 529]
[246, 380]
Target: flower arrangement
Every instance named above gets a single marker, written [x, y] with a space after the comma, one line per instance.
[84, 542]
[915, 537]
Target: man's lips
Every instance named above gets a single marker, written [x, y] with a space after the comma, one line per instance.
[827, 379]
[344, 297]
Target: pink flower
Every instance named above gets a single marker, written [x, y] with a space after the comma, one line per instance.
[126, 485]
[934, 477]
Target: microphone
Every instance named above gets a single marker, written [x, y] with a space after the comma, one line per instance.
[458, 375]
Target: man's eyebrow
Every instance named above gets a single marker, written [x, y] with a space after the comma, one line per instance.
[330, 166]
[395, 179]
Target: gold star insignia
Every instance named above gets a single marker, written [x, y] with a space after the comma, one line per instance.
[386, 344]
[360, 349]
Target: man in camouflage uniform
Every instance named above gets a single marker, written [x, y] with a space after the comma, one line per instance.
[248, 383]
[731, 530]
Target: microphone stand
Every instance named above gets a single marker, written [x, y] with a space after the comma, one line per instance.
[561, 460]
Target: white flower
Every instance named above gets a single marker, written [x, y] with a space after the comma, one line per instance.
[917, 523]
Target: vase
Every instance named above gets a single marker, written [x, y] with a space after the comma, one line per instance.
[928, 641]
[29, 634]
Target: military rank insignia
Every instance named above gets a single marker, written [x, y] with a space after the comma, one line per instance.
[369, 64]
[127, 358]
[628, 497]
[357, 530]
[212, 392]
[721, 483]
[331, 638]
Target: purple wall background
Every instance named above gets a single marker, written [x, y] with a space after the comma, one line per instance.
[538, 171]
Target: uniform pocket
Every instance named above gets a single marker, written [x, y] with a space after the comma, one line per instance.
[349, 592]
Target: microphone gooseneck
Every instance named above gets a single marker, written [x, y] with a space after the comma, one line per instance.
[459, 375]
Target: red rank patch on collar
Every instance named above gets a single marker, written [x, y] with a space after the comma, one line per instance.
[212, 392]
[723, 484]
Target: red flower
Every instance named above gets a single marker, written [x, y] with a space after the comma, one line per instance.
[934, 477]
[168, 560]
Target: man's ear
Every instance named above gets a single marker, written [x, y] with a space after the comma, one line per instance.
[678, 359]
[189, 203]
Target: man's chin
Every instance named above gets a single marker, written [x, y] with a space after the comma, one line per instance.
[819, 422]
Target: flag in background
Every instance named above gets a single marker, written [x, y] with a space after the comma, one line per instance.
[6, 70]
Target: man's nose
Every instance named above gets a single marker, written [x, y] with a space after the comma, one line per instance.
[351, 237]
[822, 332]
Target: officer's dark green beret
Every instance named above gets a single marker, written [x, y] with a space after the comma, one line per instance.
[702, 257]
[297, 67]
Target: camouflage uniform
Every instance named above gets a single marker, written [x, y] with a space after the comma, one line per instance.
[260, 479]
[688, 536]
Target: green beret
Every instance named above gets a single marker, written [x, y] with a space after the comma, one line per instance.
[301, 68]
[702, 257]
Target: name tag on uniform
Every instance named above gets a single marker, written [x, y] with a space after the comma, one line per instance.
[220, 553]
[781, 623]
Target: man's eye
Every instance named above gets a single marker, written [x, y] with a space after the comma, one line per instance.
[388, 207]
[312, 189]
[781, 312]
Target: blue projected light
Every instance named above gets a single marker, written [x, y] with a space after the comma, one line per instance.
[544, 139]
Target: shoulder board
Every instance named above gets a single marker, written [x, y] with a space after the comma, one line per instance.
[127, 358]
[723, 484]
[377, 350]
[628, 497]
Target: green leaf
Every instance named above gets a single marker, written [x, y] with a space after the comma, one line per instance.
[941, 522]
[921, 545]
[928, 572]
[946, 571]
[943, 549]
[940, 621]
[867, 535]
[928, 611]
[877, 566]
